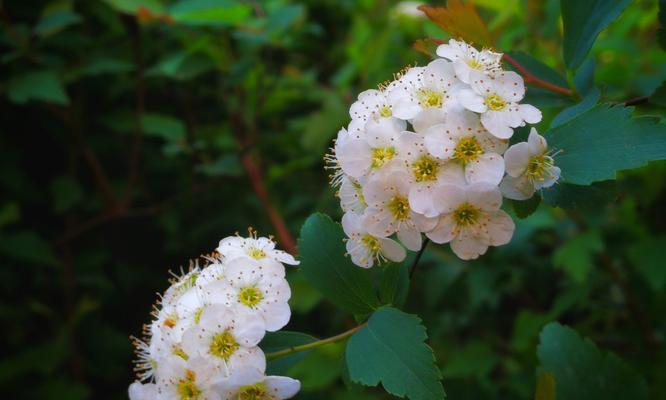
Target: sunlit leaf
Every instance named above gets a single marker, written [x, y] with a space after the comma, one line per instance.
[210, 12]
[460, 20]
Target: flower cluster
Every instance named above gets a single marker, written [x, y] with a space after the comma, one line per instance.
[203, 341]
[427, 154]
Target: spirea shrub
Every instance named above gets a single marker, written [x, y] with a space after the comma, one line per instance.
[428, 154]
[202, 341]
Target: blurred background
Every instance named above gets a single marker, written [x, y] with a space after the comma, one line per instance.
[138, 133]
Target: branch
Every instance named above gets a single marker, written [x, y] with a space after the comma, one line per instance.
[530, 78]
[637, 100]
[412, 269]
[318, 343]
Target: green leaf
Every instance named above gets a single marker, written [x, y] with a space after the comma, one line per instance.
[473, 360]
[44, 85]
[27, 247]
[647, 257]
[545, 389]
[604, 140]
[54, 22]
[226, 165]
[276, 341]
[66, 193]
[582, 372]
[214, 13]
[583, 20]
[323, 262]
[527, 207]
[576, 255]
[538, 69]
[391, 350]
[579, 197]
[166, 127]
[566, 115]
[394, 284]
[584, 77]
[182, 66]
[132, 6]
[105, 65]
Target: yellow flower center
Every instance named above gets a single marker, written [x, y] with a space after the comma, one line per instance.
[399, 207]
[494, 102]
[381, 155]
[171, 320]
[371, 243]
[187, 389]
[197, 315]
[466, 215]
[468, 149]
[425, 169]
[385, 111]
[223, 345]
[429, 98]
[178, 351]
[250, 296]
[538, 168]
[474, 64]
[256, 253]
[253, 392]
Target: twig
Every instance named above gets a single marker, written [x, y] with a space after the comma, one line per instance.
[318, 343]
[637, 100]
[530, 78]
[412, 269]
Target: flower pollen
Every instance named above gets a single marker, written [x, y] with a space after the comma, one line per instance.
[250, 296]
[467, 150]
[466, 215]
[223, 345]
[494, 102]
[382, 155]
[253, 392]
[538, 168]
[256, 253]
[187, 388]
[425, 169]
[429, 98]
[399, 207]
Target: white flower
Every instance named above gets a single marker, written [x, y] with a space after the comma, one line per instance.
[471, 219]
[195, 378]
[423, 94]
[376, 151]
[467, 59]
[425, 172]
[268, 388]
[496, 98]
[529, 168]
[372, 105]
[462, 139]
[388, 210]
[366, 249]
[143, 391]
[331, 160]
[351, 196]
[253, 247]
[254, 288]
[229, 338]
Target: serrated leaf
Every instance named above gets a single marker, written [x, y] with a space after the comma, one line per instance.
[647, 258]
[545, 389]
[575, 256]
[460, 21]
[276, 341]
[394, 285]
[569, 113]
[598, 143]
[583, 21]
[391, 350]
[582, 372]
[215, 13]
[44, 85]
[527, 207]
[324, 265]
[581, 197]
[538, 69]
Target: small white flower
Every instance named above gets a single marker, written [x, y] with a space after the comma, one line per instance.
[268, 388]
[471, 219]
[143, 391]
[376, 151]
[254, 288]
[424, 94]
[229, 338]
[366, 249]
[425, 173]
[253, 247]
[496, 98]
[195, 378]
[331, 159]
[351, 196]
[529, 168]
[462, 139]
[371, 105]
[467, 59]
[389, 212]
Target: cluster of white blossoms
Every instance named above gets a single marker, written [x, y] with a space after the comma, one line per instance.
[203, 341]
[427, 154]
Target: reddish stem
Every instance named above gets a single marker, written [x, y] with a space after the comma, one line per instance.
[530, 78]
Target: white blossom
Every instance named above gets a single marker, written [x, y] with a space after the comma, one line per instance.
[496, 97]
[466, 59]
[529, 168]
[365, 249]
[351, 196]
[268, 388]
[471, 219]
[258, 248]
[371, 105]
